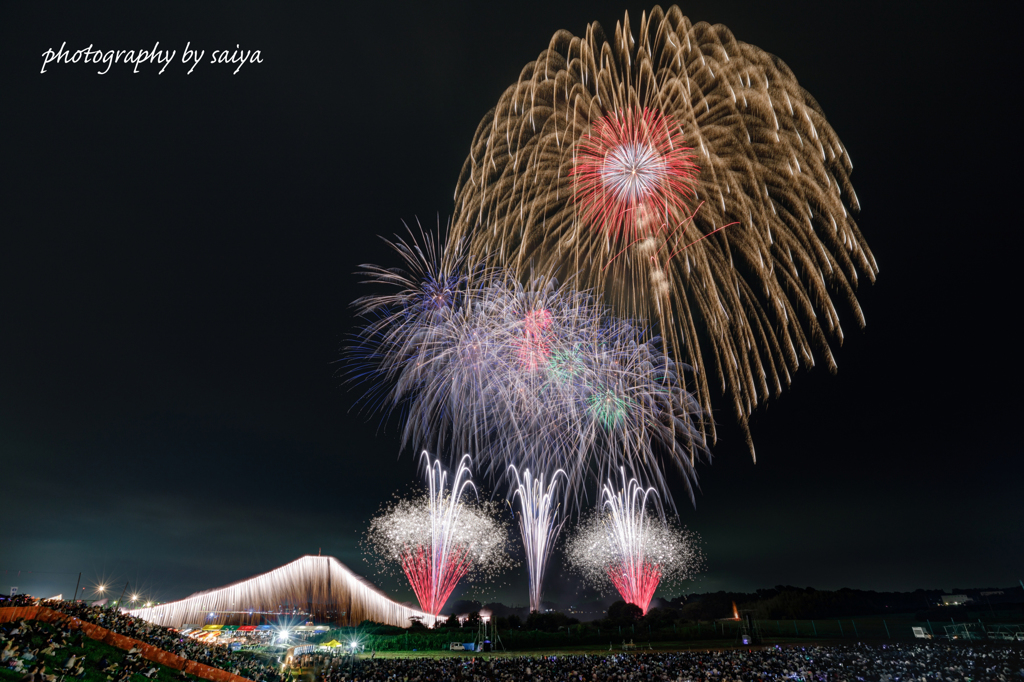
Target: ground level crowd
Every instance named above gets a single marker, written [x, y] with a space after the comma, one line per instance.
[854, 663]
[32, 647]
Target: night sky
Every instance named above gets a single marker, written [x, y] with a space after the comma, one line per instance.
[177, 264]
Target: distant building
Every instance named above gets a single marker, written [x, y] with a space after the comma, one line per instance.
[955, 599]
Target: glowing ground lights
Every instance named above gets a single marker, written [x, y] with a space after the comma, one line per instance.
[627, 544]
[439, 538]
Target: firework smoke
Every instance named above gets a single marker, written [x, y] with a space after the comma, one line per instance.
[629, 545]
[441, 537]
[588, 167]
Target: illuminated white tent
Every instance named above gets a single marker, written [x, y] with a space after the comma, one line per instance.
[319, 588]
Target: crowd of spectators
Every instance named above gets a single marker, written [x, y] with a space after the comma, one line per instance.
[53, 652]
[168, 639]
[945, 662]
[31, 648]
[255, 668]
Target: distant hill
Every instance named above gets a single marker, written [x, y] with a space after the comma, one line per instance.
[787, 602]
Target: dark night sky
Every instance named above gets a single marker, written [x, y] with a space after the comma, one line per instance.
[177, 262]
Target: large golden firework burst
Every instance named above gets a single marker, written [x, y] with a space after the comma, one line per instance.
[687, 177]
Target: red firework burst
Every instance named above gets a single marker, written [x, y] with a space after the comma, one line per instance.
[634, 174]
[433, 591]
[636, 581]
[534, 348]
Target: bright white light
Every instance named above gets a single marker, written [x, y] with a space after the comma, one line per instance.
[538, 522]
[290, 585]
[439, 538]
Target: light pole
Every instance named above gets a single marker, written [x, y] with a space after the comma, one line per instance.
[121, 598]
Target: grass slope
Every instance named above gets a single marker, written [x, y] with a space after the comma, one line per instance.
[93, 652]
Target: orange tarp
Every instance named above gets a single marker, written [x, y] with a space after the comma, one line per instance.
[149, 652]
[13, 613]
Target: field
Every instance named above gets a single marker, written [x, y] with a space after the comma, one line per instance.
[587, 638]
[591, 649]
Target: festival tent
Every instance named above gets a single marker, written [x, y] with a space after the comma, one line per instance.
[319, 588]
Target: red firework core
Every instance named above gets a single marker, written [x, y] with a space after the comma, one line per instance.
[634, 174]
[636, 581]
[433, 591]
[534, 348]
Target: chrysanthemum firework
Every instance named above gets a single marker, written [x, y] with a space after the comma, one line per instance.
[538, 379]
[688, 178]
[535, 375]
[627, 544]
[418, 295]
[440, 538]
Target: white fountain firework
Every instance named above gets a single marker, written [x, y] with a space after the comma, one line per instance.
[441, 537]
[538, 523]
[629, 545]
[535, 377]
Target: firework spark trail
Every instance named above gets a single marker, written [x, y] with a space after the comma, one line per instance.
[449, 561]
[636, 582]
[537, 375]
[432, 586]
[538, 523]
[629, 544]
[633, 174]
[582, 169]
[637, 574]
[440, 538]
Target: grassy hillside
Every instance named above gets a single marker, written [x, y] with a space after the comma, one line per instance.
[93, 652]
